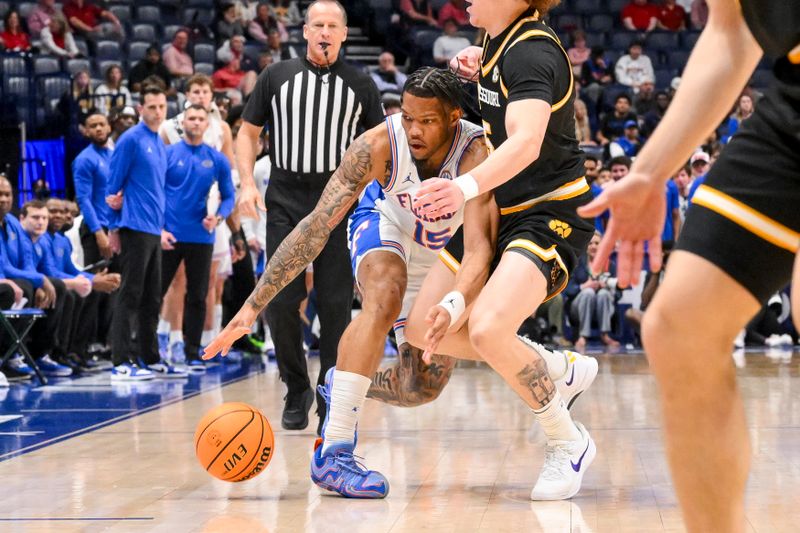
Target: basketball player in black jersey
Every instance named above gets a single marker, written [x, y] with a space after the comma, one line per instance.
[535, 169]
[741, 236]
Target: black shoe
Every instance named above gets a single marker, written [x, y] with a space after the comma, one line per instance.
[244, 344]
[70, 360]
[82, 362]
[15, 376]
[320, 424]
[295, 412]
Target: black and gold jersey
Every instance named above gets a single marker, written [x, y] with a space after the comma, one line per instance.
[527, 61]
[776, 26]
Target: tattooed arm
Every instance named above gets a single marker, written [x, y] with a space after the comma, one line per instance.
[410, 382]
[364, 161]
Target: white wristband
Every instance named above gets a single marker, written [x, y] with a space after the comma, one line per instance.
[468, 186]
[453, 302]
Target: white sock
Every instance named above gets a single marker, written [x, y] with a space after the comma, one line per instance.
[207, 337]
[163, 327]
[175, 336]
[217, 319]
[347, 399]
[557, 362]
[555, 420]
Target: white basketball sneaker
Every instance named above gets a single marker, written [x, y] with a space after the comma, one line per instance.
[581, 371]
[565, 462]
[580, 374]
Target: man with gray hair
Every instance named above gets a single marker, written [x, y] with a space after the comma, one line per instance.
[314, 107]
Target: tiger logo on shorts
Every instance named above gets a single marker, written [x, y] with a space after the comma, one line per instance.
[562, 229]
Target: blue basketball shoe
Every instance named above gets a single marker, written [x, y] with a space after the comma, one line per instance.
[338, 471]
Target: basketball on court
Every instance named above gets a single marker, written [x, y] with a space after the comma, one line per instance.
[234, 442]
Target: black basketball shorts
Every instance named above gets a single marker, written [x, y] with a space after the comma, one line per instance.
[550, 234]
[745, 218]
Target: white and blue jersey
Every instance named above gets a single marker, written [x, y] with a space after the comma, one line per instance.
[385, 219]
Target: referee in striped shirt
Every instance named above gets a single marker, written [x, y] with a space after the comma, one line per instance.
[315, 106]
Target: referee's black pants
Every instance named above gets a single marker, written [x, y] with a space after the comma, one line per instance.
[138, 300]
[289, 199]
[197, 261]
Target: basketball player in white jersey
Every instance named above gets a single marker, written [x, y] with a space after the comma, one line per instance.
[392, 247]
[199, 90]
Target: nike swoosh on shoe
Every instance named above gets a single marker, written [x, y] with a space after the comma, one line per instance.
[571, 377]
[577, 467]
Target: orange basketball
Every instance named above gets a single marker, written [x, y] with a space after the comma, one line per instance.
[234, 442]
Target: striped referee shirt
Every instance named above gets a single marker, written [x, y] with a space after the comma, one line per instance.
[313, 113]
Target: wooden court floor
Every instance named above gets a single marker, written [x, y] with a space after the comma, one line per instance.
[466, 462]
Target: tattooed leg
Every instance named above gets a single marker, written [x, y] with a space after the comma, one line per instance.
[534, 378]
[493, 323]
[411, 382]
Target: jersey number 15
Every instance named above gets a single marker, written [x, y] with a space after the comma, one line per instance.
[435, 240]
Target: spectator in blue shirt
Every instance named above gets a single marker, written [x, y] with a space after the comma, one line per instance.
[90, 172]
[34, 218]
[23, 235]
[138, 171]
[627, 144]
[672, 220]
[85, 319]
[10, 294]
[192, 168]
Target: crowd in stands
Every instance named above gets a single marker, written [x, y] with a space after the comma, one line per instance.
[228, 40]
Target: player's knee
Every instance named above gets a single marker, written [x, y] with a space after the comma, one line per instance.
[384, 300]
[484, 329]
[655, 329]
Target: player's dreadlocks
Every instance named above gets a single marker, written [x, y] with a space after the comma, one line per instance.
[430, 82]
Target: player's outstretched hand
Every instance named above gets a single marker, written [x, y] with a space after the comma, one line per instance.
[438, 197]
[466, 63]
[239, 326]
[439, 321]
[222, 343]
[637, 204]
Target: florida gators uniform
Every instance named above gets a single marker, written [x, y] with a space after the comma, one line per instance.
[385, 219]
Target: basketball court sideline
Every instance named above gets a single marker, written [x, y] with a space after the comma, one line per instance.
[82, 455]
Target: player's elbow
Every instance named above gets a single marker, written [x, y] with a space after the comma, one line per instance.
[531, 147]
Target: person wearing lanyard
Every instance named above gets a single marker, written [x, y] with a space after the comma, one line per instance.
[315, 106]
[193, 167]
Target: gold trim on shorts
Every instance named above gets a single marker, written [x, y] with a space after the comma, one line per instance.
[546, 255]
[449, 261]
[745, 216]
[565, 192]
